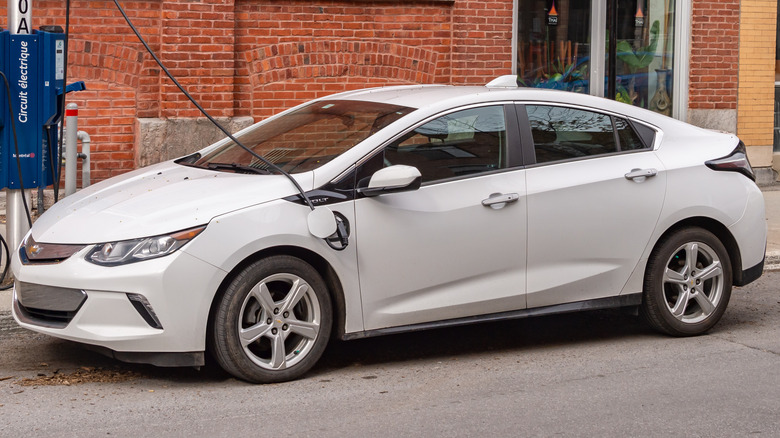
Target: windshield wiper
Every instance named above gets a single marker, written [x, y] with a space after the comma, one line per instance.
[238, 168]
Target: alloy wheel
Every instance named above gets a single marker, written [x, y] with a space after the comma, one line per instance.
[693, 282]
[279, 321]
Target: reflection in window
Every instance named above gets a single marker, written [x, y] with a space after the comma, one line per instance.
[561, 133]
[461, 143]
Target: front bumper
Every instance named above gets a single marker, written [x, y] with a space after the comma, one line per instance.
[178, 289]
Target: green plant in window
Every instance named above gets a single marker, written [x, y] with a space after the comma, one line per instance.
[641, 57]
[623, 95]
[636, 59]
[569, 77]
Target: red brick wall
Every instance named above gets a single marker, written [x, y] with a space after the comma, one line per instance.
[481, 41]
[714, 65]
[290, 51]
[258, 57]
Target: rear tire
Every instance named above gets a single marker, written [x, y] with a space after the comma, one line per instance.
[273, 322]
[687, 283]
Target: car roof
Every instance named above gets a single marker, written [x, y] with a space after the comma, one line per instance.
[443, 96]
[413, 96]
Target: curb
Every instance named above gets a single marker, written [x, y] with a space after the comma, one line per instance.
[7, 323]
[772, 261]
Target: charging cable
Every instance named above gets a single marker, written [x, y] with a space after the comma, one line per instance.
[341, 230]
[56, 184]
[208, 116]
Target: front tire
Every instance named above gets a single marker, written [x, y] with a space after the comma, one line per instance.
[687, 283]
[273, 322]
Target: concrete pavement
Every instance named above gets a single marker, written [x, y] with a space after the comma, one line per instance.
[771, 197]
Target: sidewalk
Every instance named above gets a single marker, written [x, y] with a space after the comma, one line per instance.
[771, 196]
[772, 201]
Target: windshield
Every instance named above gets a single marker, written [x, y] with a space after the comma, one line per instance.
[306, 138]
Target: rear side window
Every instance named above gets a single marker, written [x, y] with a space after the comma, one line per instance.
[647, 134]
[561, 133]
[629, 140]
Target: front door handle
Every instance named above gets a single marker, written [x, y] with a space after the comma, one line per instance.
[500, 200]
[639, 175]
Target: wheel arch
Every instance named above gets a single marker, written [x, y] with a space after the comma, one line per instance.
[720, 231]
[335, 289]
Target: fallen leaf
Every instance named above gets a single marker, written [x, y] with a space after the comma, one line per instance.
[95, 375]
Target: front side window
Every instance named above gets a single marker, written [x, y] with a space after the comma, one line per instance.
[466, 142]
[306, 138]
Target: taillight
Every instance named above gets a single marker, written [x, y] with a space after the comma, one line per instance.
[736, 161]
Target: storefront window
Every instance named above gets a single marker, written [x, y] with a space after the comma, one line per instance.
[553, 44]
[554, 48]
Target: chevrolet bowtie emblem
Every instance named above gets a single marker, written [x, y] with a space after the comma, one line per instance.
[35, 250]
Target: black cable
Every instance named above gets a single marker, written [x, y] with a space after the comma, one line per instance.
[54, 174]
[56, 184]
[16, 148]
[7, 263]
[208, 116]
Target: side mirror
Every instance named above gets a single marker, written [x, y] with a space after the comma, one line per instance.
[393, 179]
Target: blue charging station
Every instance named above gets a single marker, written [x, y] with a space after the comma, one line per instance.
[35, 67]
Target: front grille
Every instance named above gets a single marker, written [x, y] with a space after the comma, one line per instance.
[47, 306]
[31, 252]
[53, 317]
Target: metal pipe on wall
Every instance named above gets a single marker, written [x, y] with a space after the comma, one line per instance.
[71, 154]
[84, 155]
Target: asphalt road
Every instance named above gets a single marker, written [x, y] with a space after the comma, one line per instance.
[590, 374]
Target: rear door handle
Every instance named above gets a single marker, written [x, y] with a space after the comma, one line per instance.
[500, 200]
[639, 175]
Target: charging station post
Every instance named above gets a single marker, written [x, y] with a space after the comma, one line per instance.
[33, 62]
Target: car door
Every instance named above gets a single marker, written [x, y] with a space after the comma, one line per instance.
[454, 247]
[594, 198]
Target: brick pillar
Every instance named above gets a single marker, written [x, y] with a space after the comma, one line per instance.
[755, 119]
[481, 41]
[714, 64]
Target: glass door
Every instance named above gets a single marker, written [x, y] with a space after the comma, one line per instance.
[639, 62]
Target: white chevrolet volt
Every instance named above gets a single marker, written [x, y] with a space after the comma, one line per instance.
[386, 210]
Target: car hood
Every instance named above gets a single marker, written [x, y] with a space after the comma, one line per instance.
[155, 200]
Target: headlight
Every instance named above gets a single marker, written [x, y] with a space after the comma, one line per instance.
[136, 250]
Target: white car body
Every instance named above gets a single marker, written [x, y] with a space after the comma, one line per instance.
[581, 233]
